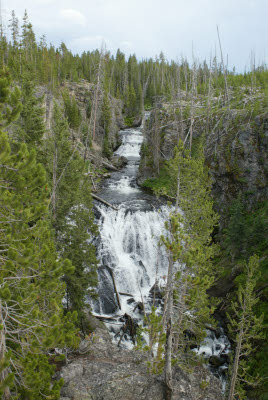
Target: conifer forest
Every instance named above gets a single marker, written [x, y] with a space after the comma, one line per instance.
[133, 224]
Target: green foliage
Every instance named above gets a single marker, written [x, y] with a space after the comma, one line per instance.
[30, 126]
[10, 105]
[105, 121]
[128, 121]
[30, 272]
[194, 191]
[193, 278]
[154, 329]
[189, 249]
[31, 285]
[106, 115]
[71, 110]
[37, 374]
[245, 327]
[71, 212]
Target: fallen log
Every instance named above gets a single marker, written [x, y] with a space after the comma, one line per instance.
[102, 318]
[210, 328]
[109, 166]
[126, 294]
[103, 201]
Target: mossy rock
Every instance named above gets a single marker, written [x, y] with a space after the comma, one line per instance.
[91, 323]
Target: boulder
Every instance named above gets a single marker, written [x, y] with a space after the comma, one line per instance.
[156, 292]
[216, 361]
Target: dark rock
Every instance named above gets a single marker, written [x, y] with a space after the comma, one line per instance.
[156, 292]
[131, 300]
[218, 332]
[119, 161]
[216, 361]
[91, 323]
[106, 291]
[140, 307]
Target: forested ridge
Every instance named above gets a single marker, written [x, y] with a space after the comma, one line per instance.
[204, 152]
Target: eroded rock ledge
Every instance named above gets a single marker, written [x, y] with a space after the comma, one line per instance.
[103, 371]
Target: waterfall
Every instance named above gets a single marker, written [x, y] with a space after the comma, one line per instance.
[130, 256]
[129, 237]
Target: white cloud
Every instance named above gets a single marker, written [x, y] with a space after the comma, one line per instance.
[73, 16]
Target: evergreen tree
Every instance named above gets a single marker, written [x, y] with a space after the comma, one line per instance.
[131, 101]
[71, 209]
[247, 328]
[31, 126]
[105, 122]
[71, 109]
[235, 233]
[28, 41]
[14, 27]
[31, 291]
[189, 250]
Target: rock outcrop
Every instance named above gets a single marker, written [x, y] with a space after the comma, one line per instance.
[103, 371]
[236, 154]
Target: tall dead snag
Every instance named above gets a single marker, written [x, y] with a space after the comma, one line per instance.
[247, 327]
[54, 176]
[98, 91]
[4, 372]
[208, 103]
[156, 136]
[226, 94]
[169, 312]
[193, 93]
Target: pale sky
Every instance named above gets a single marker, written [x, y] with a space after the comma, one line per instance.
[147, 27]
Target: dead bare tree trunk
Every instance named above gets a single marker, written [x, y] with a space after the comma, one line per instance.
[95, 105]
[144, 90]
[226, 94]
[115, 289]
[54, 179]
[208, 104]
[156, 138]
[168, 349]
[3, 351]
[235, 367]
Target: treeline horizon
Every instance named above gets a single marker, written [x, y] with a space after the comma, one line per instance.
[122, 76]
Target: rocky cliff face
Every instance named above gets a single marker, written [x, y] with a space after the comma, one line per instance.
[239, 164]
[103, 371]
[236, 154]
[84, 93]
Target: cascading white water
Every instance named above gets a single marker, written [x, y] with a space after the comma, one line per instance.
[128, 250]
[129, 236]
[129, 246]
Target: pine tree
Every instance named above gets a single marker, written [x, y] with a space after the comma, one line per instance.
[77, 246]
[247, 327]
[105, 121]
[31, 288]
[28, 41]
[131, 101]
[71, 210]
[189, 251]
[14, 27]
[31, 126]
[72, 112]
[235, 233]
[187, 307]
